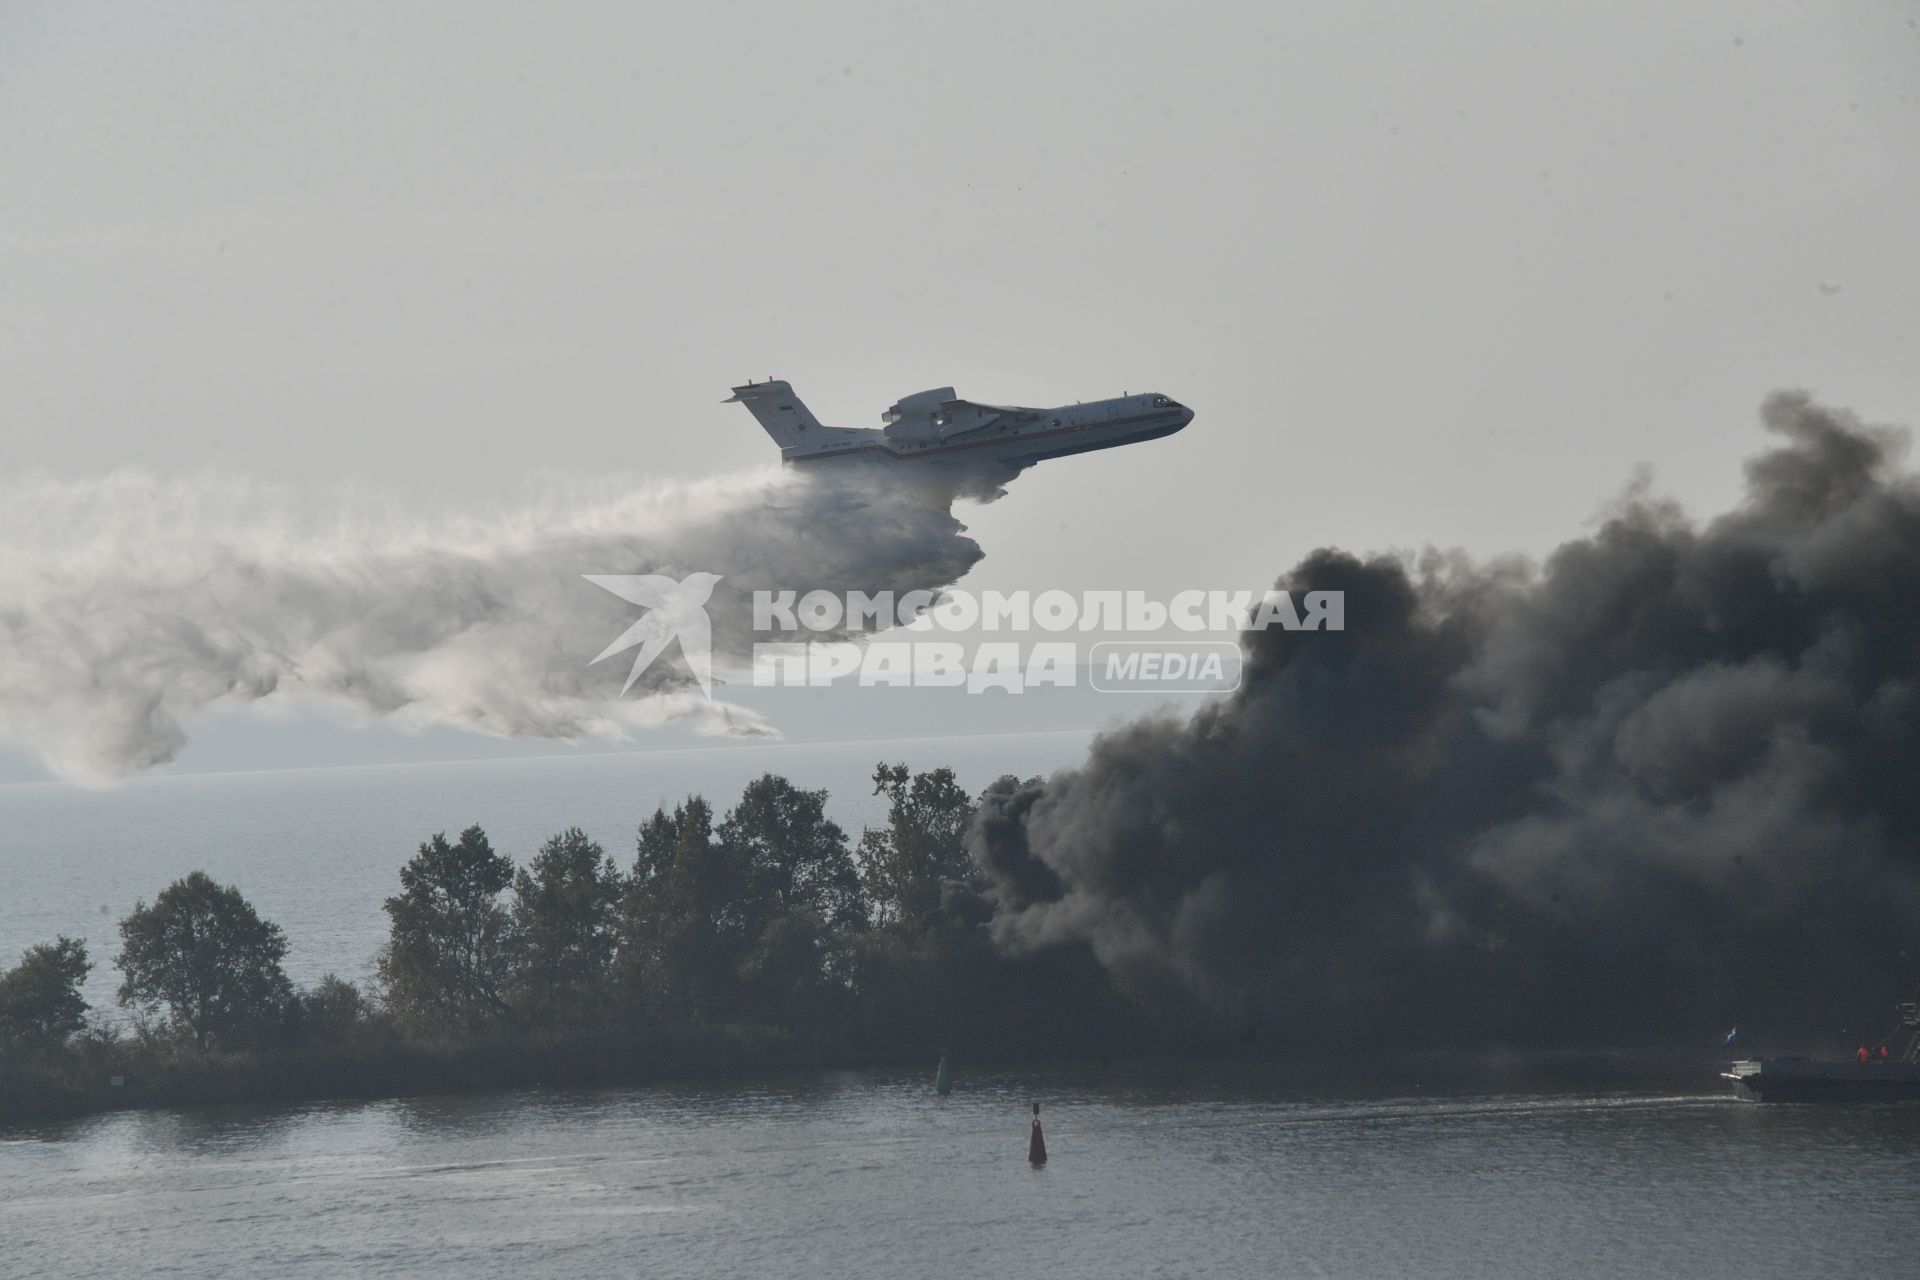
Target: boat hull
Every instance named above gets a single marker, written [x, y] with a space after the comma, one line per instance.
[1804, 1080]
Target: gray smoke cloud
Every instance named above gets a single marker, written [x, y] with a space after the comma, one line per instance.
[128, 604]
[1660, 784]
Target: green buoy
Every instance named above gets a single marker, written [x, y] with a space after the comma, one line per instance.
[943, 1078]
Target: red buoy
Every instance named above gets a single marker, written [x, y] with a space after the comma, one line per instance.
[1037, 1144]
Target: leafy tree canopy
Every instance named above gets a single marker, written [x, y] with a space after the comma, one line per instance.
[923, 846]
[793, 857]
[563, 916]
[204, 956]
[40, 1000]
[446, 958]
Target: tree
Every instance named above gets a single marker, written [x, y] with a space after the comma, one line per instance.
[802, 901]
[332, 1010]
[202, 953]
[683, 925]
[794, 857]
[907, 864]
[563, 928]
[40, 1002]
[446, 955]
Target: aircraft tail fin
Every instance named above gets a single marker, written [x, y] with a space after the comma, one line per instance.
[778, 411]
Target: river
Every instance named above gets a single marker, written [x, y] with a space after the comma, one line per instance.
[1155, 1171]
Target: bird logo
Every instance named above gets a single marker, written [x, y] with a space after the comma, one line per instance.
[674, 609]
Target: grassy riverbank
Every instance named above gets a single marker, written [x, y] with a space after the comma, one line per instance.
[172, 1076]
[130, 1074]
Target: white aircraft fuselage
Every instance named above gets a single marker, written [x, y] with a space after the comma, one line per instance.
[936, 425]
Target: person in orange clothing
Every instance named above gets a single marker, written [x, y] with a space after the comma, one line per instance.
[1861, 1053]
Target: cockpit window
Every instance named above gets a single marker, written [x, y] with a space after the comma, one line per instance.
[1161, 402]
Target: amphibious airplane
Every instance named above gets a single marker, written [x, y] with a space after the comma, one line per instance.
[938, 425]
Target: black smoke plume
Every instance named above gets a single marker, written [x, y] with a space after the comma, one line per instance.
[1661, 785]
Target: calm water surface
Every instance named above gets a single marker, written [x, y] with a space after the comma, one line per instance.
[870, 1175]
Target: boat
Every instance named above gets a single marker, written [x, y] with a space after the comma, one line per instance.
[1892, 1078]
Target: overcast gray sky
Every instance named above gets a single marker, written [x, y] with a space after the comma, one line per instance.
[1428, 274]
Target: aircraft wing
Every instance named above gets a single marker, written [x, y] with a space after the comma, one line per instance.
[964, 417]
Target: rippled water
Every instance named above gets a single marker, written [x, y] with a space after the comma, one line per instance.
[1152, 1173]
